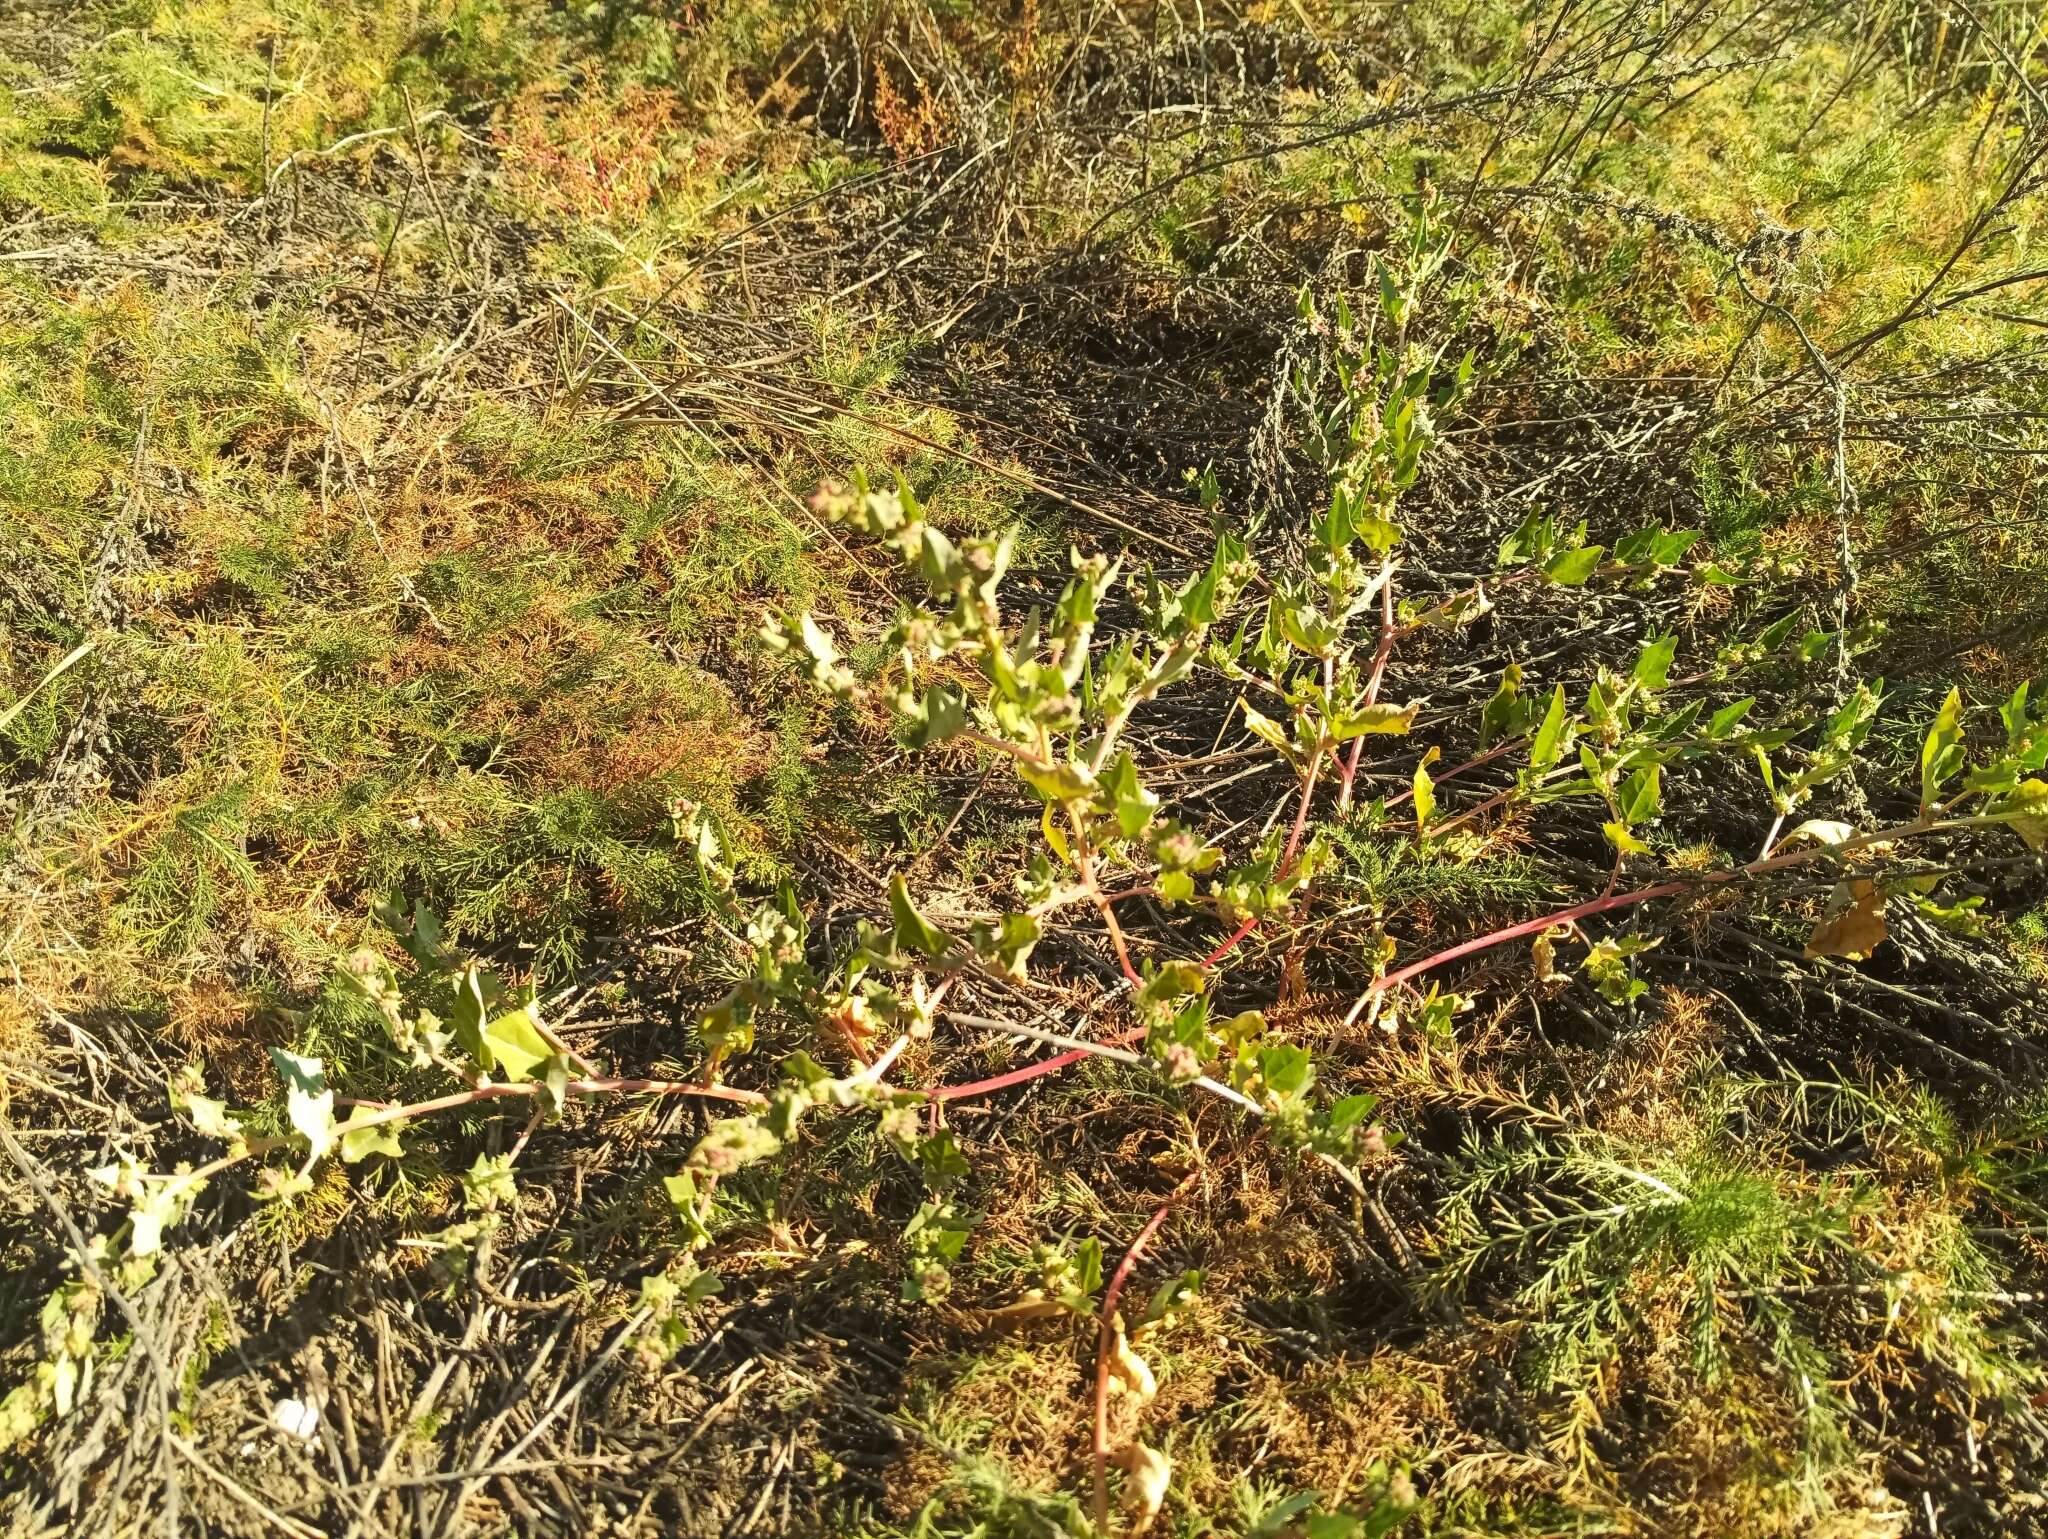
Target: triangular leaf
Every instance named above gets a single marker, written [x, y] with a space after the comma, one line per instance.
[359, 1143]
[913, 930]
[1572, 567]
[516, 1042]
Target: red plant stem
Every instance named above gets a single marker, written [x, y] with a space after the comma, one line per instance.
[1229, 942]
[1381, 653]
[1611, 901]
[1488, 941]
[1251, 923]
[1532, 926]
[1308, 791]
[1102, 907]
[1105, 1337]
[1029, 1072]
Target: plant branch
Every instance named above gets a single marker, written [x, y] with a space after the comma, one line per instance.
[1105, 1340]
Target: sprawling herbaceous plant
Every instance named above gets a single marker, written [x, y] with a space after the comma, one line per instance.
[1297, 641]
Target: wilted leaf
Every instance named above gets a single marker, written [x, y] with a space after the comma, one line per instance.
[1821, 830]
[1268, 731]
[1624, 841]
[1425, 792]
[1032, 1307]
[2026, 809]
[210, 1117]
[1853, 925]
[1149, 1472]
[1130, 1374]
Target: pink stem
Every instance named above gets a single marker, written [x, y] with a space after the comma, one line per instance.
[1384, 651]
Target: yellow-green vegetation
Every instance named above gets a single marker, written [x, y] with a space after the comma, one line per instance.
[849, 767]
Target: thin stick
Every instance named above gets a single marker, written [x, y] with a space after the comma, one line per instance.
[74, 655]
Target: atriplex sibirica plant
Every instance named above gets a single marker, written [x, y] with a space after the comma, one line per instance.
[1305, 645]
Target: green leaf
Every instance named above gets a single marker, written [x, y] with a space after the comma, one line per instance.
[1055, 836]
[1570, 568]
[933, 1239]
[1059, 781]
[1172, 980]
[472, 1009]
[1287, 1069]
[1653, 664]
[1007, 944]
[1772, 636]
[1724, 720]
[554, 1078]
[516, 1042]
[940, 1161]
[1198, 597]
[941, 714]
[1531, 542]
[734, 1143]
[1379, 535]
[1374, 720]
[309, 1104]
[684, 1201]
[1668, 547]
[489, 1184]
[1307, 627]
[913, 930]
[1550, 737]
[1086, 1277]
[1425, 792]
[1132, 804]
[1642, 795]
[1505, 715]
[2014, 714]
[1941, 751]
[359, 1143]
[1607, 965]
[1763, 768]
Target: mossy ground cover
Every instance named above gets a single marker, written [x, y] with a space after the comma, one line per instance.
[409, 415]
